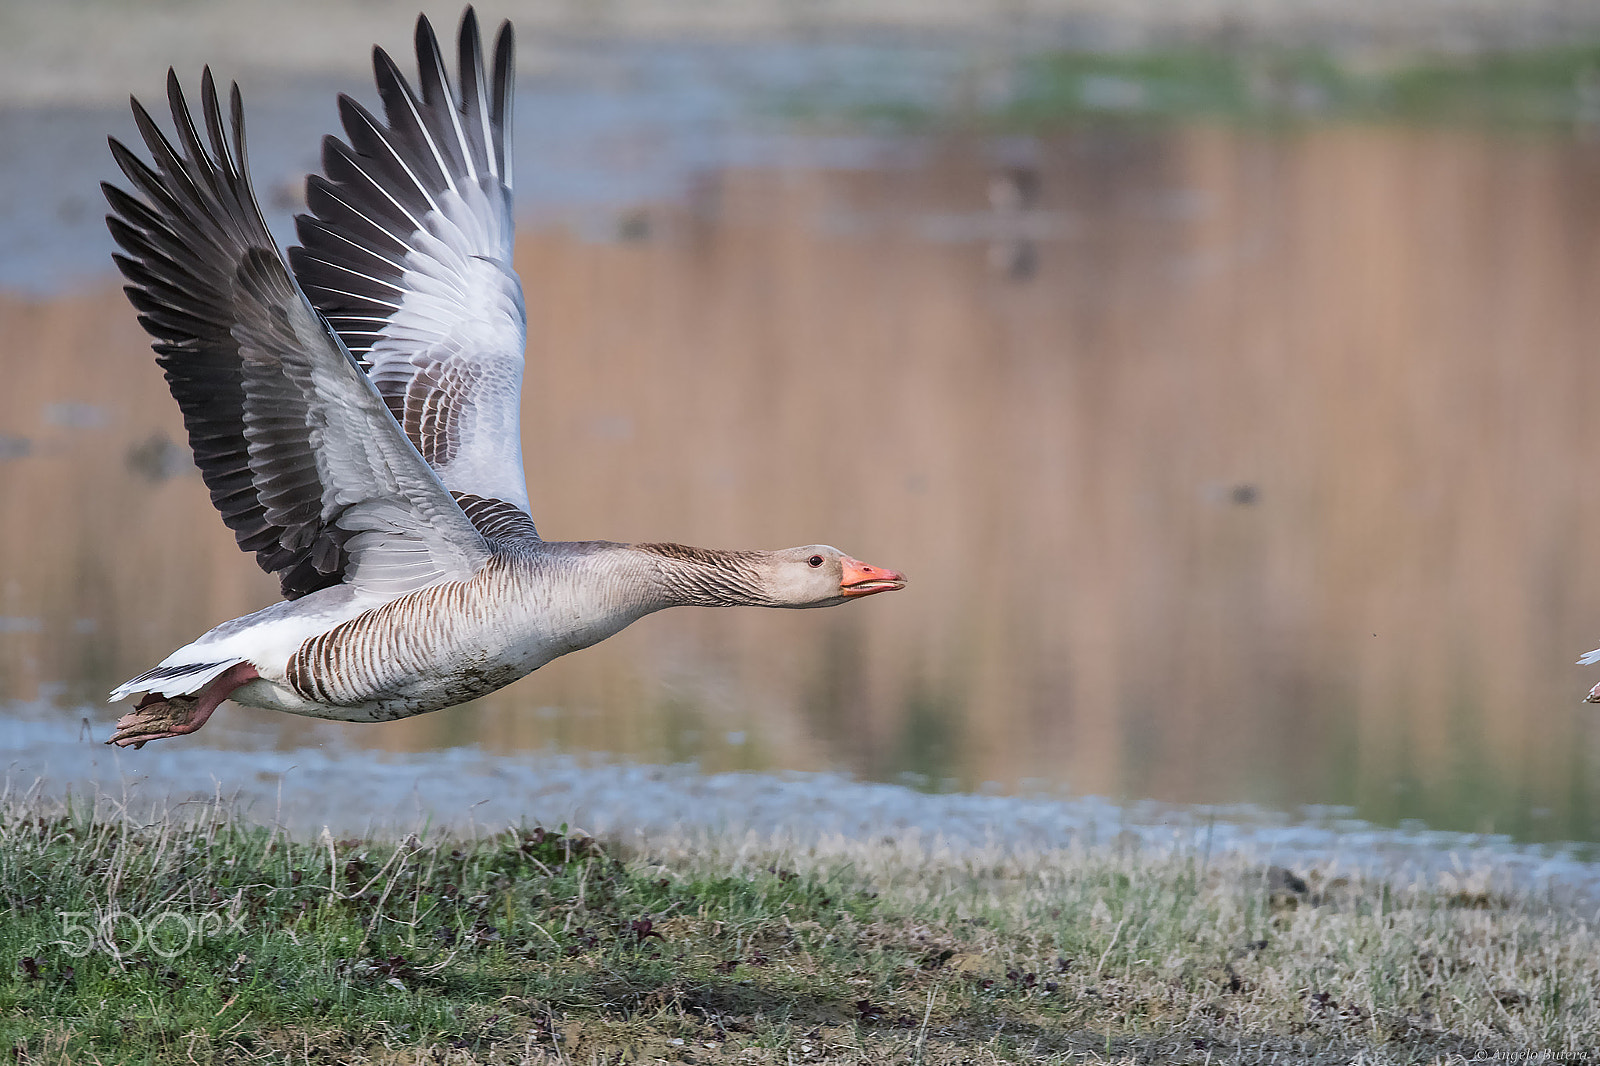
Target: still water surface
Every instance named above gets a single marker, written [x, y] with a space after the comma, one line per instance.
[1227, 466]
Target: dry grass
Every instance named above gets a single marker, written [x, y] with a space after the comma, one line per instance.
[531, 947]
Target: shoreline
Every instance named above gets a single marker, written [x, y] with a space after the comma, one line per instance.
[310, 791]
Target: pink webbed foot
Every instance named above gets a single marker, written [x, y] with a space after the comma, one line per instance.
[158, 717]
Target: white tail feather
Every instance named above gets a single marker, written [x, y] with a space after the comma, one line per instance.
[173, 679]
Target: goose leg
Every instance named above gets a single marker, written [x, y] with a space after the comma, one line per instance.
[158, 717]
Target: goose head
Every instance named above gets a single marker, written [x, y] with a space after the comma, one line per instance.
[819, 575]
[816, 575]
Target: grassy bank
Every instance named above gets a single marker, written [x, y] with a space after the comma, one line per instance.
[1552, 88]
[199, 938]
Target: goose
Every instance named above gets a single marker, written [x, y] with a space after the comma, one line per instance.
[354, 412]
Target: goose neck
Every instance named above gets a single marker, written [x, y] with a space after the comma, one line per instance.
[681, 575]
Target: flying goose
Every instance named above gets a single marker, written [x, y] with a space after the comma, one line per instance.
[356, 419]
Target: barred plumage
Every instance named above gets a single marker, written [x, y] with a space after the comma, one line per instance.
[387, 653]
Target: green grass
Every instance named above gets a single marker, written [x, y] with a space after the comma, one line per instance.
[535, 946]
[1555, 86]
[1543, 88]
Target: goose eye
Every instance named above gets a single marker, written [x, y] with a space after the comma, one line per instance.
[815, 560]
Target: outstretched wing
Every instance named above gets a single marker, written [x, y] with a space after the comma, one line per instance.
[407, 252]
[299, 451]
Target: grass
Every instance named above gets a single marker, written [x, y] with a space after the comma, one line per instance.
[1547, 87]
[1553, 87]
[199, 938]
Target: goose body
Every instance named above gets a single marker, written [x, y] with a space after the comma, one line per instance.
[354, 413]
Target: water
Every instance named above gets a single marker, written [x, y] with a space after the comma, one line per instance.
[1229, 467]
[344, 790]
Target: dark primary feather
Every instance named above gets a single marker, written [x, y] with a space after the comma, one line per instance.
[302, 457]
[380, 186]
[198, 224]
[407, 253]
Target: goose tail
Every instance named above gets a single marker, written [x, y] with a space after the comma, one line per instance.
[174, 679]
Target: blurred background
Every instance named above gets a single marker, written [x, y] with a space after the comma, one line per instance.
[1221, 373]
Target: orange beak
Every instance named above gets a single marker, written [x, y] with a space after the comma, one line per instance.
[862, 580]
